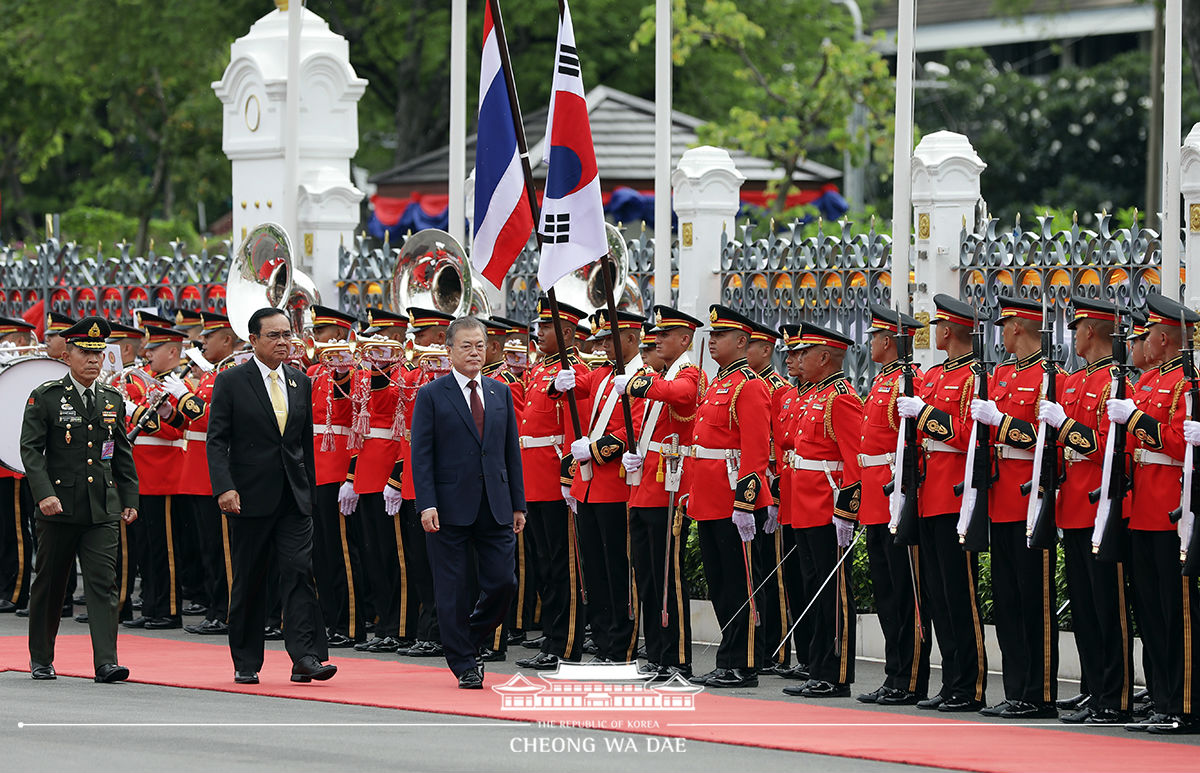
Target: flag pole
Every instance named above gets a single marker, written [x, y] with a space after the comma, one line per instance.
[531, 192]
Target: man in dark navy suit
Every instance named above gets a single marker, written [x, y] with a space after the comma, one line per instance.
[467, 470]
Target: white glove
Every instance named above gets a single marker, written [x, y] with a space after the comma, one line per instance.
[1051, 413]
[1191, 432]
[631, 462]
[581, 449]
[571, 501]
[909, 407]
[772, 519]
[620, 382]
[392, 499]
[845, 531]
[130, 407]
[347, 499]
[986, 411]
[564, 380]
[175, 386]
[745, 524]
[1120, 410]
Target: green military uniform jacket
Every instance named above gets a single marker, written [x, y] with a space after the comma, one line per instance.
[84, 460]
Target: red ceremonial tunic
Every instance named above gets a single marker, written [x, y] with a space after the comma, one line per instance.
[607, 483]
[1084, 398]
[1157, 425]
[1016, 387]
[333, 412]
[158, 449]
[378, 462]
[879, 430]
[678, 397]
[546, 416]
[945, 423]
[826, 432]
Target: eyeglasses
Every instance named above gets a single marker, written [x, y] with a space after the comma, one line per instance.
[277, 335]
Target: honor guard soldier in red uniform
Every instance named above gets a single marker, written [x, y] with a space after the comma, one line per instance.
[337, 539]
[894, 568]
[1023, 590]
[376, 442]
[129, 339]
[16, 507]
[601, 489]
[218, 343]
[729, 495]
[500, 332]
[657, 527]
[950, 575]
[1095, 586]
[1167, 603]
[546, 437]
[158, 452]
[825, 498]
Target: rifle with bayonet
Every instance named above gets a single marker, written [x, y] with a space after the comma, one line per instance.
[1041, 530]
[980, 468]
[902, 498]
[1114, 480]
[1185, 516]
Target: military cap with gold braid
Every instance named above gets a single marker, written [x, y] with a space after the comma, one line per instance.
[1021, 308]
[722, 318]
[420, 319]
[885, 319]
[119, 332]
[1088, 308]
[1161, 310]
[763, 333]
[144, 318]
[815, 335]
[157, 336]
[381, 318]
[953, 310]
[495, 327]
[514, 328]
[666, 318]
[56, 323]
[211, 322]
[625, 321]
[1138, 329]
[9, 325]
[90, 333]
[187, 317]
[649, 337]
[791, 336]
[569, 314]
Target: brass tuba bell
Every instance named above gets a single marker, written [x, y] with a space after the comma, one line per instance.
[433, 272]
[259, 275]
[583, 288]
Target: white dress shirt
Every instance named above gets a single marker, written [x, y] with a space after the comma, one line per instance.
[266, 377]
[465, 390]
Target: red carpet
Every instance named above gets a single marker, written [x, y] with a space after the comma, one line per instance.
[789, 725]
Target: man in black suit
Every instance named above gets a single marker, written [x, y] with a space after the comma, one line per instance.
[467, 470]
[260, 459]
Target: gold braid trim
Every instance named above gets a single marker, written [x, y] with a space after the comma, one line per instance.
[701, 385]
[671, 412]
[1102, 408]
[1175, 400]
[733, 419]
[829, 417]
[965, 397]
[892, 405]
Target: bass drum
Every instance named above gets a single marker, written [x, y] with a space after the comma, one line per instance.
[18, 378]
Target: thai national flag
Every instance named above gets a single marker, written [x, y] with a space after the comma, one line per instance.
[503, 220]
[572, 222]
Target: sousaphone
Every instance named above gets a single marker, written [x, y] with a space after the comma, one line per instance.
[433, 272]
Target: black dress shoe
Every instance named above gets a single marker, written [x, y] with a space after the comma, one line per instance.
[543, 661]
[666, 673]
[136, 603]
[641, 653]
[1141, 696]
[703, 678]
[68, 611]
[194, 610]
[733, 677]
[208, 628]
[1154, 719]
[819, 688]
[245, 677]
[994, 711]
[931, 703]
[488, 655]
[1027, 710]
[80, 599]
[41, 673]
[378, 644]
[516, 636]
[589, 646]
[164, 623]
[534, 643]
[137, 622]
[649, 668]
[308, 668]
[798, 671]
[7, 606]
[1174, 724]
[777, 669]
[958, 704]
[336, 640]
[1073, 704]
[425, 649]
[271, 633]
[111, 672]
[22, 612]
[82, 617]
[1107, 717]
[471, 679]
[871, 697]
[894, 697]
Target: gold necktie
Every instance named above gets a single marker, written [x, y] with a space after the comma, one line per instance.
[278, 402]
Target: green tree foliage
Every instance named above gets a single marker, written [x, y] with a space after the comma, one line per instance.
[799, 73]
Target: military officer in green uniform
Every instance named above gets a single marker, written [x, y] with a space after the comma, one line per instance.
[80, 470]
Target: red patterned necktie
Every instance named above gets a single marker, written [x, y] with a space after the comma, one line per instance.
[476, 406]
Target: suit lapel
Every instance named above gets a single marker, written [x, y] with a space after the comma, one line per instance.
[491, 399]
[294, 397]
[260, 388]
[459, 401]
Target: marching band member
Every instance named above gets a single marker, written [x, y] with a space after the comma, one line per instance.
[129, 340]
[56, 345]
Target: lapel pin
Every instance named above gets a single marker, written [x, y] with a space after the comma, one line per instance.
[292, 383]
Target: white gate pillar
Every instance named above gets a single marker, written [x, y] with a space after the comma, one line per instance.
[945, 190]
[1189, 186]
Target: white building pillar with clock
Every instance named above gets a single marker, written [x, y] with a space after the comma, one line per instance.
[253, 91]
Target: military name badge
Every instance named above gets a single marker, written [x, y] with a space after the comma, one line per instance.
[106, 449]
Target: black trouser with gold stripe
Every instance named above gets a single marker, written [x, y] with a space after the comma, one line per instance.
[654, 560]
[212, 539]
[834, 621]
[1026, 610]
[337, 563]
[161, 595]
[524, 612]
[950, 578]
[1100, 621]
[189, 562]
[387, 567]
[771, 550]
[1169, 605]
[551, 528]
[16, 540]
[725, 557]
[612, 608]
[906, 630]
[422, 619]
[798, 597]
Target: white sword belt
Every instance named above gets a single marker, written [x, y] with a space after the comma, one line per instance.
[375, 433]
[1146, 456]
[815, 465]
[875, 460]
[700, 452]
[1008, 452]
[157, 441]
[333, 429]
[666, 450]
[199, 437]
[529, 441]
[936, 446]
